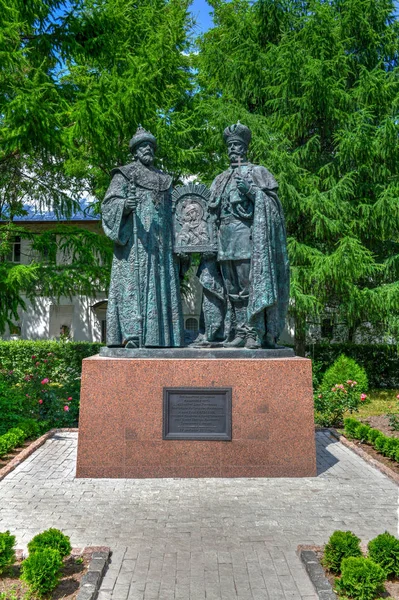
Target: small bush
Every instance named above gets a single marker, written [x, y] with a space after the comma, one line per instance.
[362, 432]
[7, 552]
[41, 571]
[345, 369]
[384, 550]
[351, 426]
[341, 544]
[51, 538]
[30, 427]
[379, 442]
[362, 578]
[19, 436]
[373, 435]
[390, 446]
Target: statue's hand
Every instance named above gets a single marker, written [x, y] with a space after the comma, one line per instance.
[130, 204]
[242, 185]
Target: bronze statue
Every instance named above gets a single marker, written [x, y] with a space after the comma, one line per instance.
[252, 261]
[144, 304]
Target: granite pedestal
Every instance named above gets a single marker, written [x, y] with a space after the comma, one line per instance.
[121, 416]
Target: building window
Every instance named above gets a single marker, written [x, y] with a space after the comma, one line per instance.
[192, 324]
[103, 330]
[327, 328]
[15, 254]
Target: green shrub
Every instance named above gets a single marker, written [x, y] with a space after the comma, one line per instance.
[51, 538]
[362, 578]
[7, 552]
[331, 405]
[373, 435]
[390, 447]
[30, 427]
[379, 442]
[351, 426]
[362, 432]
[384, 550]
[340, 545]
[345, 369]
[41, 571]
[18, 435]
[380, 361]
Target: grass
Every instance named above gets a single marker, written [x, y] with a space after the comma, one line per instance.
[379, 402]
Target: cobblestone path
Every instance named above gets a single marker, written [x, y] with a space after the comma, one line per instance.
[199, 539]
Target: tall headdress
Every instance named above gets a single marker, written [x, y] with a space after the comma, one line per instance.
[238, 132]
[142, 135]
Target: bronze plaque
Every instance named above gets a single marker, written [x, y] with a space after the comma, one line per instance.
[197, 414]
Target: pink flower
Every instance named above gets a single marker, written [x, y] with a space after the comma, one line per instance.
[396, 396]
[363, 397]
[66, 407]
[37, 364]
[40, 401]
[45, 360]
[355, 383]
[33, 357]
[44, 381]
[27, 395]
[70, 398]
[320, 396]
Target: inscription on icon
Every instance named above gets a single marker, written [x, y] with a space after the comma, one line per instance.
[197, 414]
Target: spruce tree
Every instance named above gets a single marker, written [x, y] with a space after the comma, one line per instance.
[318, 84]
[76, 79]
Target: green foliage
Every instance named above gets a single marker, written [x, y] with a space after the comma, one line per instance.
[30, 427]
[384, 550]
[7, 552]
[41, 571]
[351, 426]
[380, 361]
[51, 538]
[11, 440]
[362, 432]
[345, 369]
[331, 405]
[380, 442]
[373, 435]
[318, 85]
[41, 381]
[340, 545]
[362, 578]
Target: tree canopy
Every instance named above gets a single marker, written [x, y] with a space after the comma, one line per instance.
[317, 82]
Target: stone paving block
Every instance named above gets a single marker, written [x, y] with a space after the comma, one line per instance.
[229, 539]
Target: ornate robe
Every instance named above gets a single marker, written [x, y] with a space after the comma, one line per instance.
[145, 286]
[260, 236]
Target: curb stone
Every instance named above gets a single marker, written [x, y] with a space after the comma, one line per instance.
[33, 446]
[369, 459]
[316, 575]
[91, 581]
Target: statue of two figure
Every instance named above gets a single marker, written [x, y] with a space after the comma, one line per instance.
[245, 281]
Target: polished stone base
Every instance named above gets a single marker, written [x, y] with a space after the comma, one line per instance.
[192, 352]
[121, 418]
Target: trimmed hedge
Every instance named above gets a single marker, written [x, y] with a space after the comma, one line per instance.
[17, 355]
[381, 361]
[386, 445]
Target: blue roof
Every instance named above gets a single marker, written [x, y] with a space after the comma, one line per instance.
[85, 213]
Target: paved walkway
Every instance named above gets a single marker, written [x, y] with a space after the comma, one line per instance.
[199, 539]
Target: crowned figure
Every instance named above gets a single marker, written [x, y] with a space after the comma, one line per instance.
[144, 304]
[252, 253]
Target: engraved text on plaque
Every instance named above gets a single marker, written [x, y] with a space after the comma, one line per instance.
[197, 414]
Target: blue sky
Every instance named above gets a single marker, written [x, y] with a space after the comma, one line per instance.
[201, 11]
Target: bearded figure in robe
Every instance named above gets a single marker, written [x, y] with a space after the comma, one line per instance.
[252, 259]
[144, 303]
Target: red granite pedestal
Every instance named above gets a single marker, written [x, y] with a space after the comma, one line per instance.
[120, 428]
